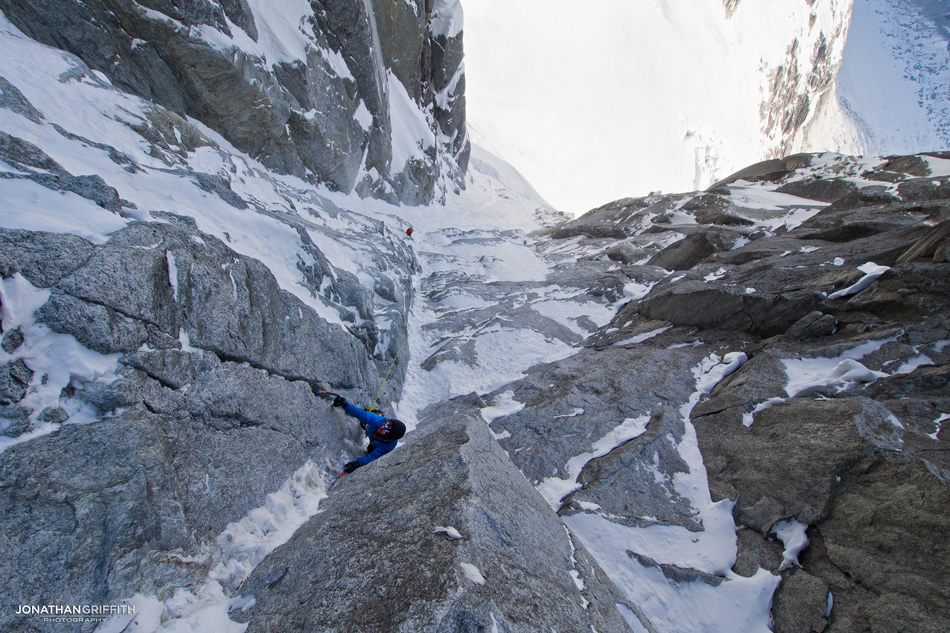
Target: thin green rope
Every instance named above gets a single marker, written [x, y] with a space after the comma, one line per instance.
[395, 358]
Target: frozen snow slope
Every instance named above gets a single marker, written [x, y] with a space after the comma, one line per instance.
[623, 98]
[893, 89]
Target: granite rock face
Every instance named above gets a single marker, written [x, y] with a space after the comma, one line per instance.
[833, 421]
[324, 106]
[794, 298]
[203, 387]
[828, 308]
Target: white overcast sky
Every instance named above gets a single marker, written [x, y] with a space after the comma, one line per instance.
[611, 98]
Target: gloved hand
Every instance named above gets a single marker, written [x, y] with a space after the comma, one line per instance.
[350, 467]
[339, 401]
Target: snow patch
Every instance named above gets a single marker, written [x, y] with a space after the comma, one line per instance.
[792, 534]
[364, 117]
[909, 366]
[411, 131]
[843, 371]
[473, 573]
[639, 338]
[938, 423]
[449, 531]
[56, 360]
[173, 273]
[871, 272]
[749, 418]
[338, 64]
[554, 489]
[505, 405]
[447, 18]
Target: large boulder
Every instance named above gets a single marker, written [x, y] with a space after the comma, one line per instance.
[789, 462]
[685, 253]
[884, 541]
[444, 534]
[856, 464]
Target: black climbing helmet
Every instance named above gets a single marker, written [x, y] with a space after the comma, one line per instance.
[396, 430]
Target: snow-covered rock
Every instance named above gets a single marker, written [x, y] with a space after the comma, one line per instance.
[358, 95]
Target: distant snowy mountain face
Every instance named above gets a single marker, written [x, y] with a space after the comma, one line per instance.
[892, 93]
[365, 96]
[797, 83]
[688, 92]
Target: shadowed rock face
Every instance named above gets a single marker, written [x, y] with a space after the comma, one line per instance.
[192, 436]
[380, 555]
[300, 117]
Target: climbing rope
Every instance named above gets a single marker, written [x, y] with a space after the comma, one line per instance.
[395, 358]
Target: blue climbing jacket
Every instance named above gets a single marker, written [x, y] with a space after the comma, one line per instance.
[377, 447]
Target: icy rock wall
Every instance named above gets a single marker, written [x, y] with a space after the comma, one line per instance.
[358, 95]
[168, 308]
[211, 408]
[807, 72]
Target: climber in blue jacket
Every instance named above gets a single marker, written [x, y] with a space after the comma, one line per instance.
[383, 433]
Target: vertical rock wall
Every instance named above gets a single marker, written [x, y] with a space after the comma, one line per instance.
[210, 411]
[306, 93]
